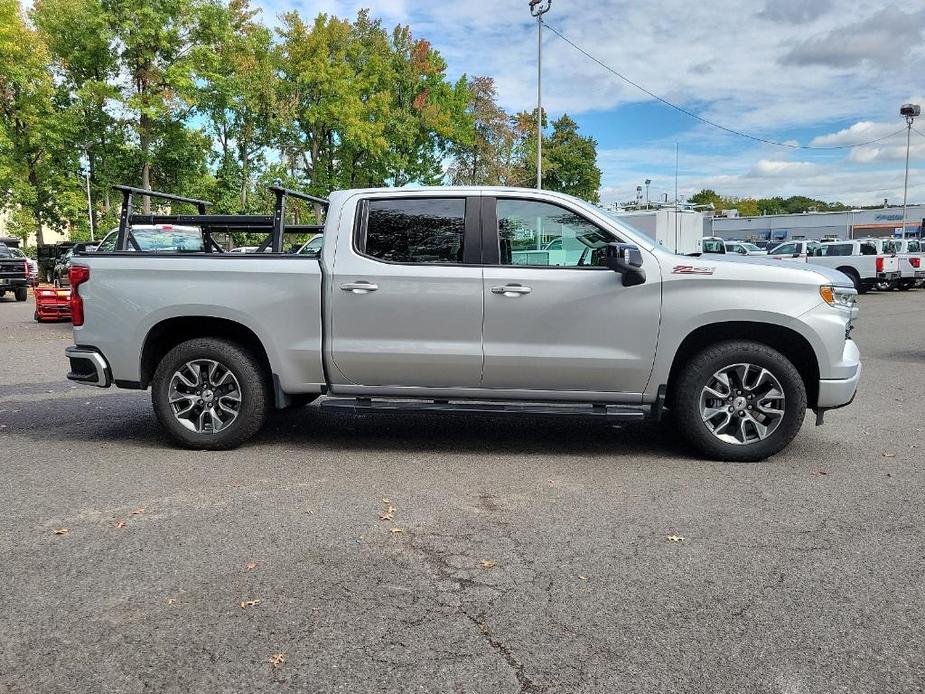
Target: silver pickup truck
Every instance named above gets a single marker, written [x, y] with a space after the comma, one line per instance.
[470, 299]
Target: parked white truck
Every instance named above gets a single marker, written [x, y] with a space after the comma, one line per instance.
[496, 300]
[909, 264]
[859, 260]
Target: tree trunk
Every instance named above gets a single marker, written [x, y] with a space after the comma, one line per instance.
[34, 182]
[144, 140]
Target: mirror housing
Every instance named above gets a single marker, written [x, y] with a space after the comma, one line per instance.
[626, 259]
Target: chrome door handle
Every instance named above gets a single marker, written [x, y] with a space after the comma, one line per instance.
[359, 287]
[511, 290]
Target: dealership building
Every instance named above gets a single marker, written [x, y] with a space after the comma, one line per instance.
[852, 224]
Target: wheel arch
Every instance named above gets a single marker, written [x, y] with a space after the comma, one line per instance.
[785, 340]
[170, 332]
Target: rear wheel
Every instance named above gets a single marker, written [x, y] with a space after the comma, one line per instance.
[210, 394]
[739, 401]
[906, 285]
[22, 294]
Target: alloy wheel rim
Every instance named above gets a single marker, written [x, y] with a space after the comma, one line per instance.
[204, 396]
[742, 404]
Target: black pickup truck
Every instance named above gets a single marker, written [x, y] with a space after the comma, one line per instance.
[13, 274]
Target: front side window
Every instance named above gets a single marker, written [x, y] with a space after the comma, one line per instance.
[831, 249]
[868, 249]
[422, 230]
[786, 249]
[541, 234]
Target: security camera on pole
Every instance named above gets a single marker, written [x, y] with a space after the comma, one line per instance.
[910, 112]
[538, 8]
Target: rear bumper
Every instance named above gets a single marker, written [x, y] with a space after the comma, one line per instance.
[887, 276]
[88, 366]
[841, 391]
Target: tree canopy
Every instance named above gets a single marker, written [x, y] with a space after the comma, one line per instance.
[200, 97]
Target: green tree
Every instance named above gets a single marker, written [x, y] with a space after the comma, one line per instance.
[237, 95]
[38, 164]
[570, 161]
[707, 196]
[488, 157]
[159, 43]
[80, 36]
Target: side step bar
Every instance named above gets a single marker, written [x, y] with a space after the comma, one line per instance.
[386, 406]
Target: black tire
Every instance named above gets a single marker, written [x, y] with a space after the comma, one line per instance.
[254, 392]
[21, 294]
[2, 293]
[855, 278]
[696, 374]
[906, 285]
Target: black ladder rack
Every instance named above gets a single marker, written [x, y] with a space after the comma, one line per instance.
[275, 224]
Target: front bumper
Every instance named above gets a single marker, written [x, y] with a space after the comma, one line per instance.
[88, 366]
[7, 283]
[841, 391]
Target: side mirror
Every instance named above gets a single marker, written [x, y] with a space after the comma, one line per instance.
[742, 251]
[796, 255]
[626, 259]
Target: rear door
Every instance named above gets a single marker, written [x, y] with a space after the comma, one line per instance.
[406, 293]
[557, 319]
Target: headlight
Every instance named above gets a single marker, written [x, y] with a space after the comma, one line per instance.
[840, 297]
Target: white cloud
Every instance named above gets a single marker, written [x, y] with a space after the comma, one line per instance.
[773, 168]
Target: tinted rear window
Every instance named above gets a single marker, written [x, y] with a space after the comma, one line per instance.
[430, 230]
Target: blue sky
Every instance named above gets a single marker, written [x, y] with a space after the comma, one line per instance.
[812, 72]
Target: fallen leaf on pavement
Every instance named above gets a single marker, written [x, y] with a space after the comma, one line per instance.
[277, 659]
[396, 530]
[138, 511]
[171, 601]
[386, 501]
[61, 531]
[889, 455]
[250, 566]
[385, 516]
[487, 564]
[120, 524]
[583, 578]
[250, 603]
[675, 538]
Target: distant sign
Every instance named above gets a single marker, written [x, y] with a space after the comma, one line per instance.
[888, 217]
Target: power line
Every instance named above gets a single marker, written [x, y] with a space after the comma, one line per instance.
[683, 110]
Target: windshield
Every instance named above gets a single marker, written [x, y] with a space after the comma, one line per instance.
[5, 252]
[751, 247]
[180, 240]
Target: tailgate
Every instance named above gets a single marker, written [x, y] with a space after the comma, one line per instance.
[891, 264]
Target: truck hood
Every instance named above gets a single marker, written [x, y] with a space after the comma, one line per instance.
[822, 274]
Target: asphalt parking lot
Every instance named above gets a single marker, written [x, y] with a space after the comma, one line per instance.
[517, 557]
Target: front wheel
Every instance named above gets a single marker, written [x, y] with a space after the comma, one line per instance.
[739, 401]
[210, 394]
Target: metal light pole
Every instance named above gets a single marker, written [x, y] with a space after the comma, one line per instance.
[537, 9]
[86, 175]
[648, 181]
[910, 112]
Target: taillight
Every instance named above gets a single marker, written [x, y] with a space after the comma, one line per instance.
[915, 262]
[25, 267]
[76, 276]
[879, 263]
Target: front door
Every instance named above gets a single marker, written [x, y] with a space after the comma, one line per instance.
[406, 296]
[557, 319]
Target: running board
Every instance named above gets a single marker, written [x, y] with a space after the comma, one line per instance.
[387, 406]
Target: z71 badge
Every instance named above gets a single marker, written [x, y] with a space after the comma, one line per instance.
[691, 270]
